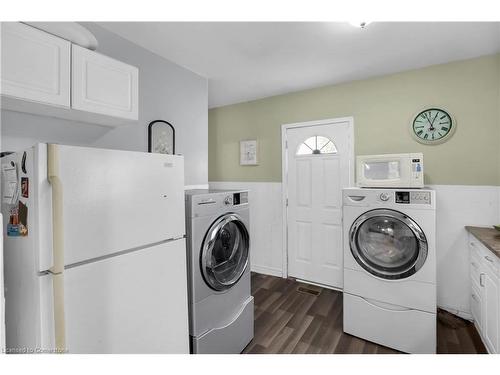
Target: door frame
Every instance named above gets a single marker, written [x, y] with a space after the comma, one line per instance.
[284, 171]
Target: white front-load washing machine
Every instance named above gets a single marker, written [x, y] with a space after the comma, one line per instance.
[218, 248]
[390, 267]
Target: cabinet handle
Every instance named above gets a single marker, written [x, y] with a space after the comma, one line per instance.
[481, 279]
[488, 258]
[474, 264]
[474, 297]
[472, 244]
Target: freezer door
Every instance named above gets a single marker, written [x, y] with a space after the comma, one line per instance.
[113, 201]
[131, 303]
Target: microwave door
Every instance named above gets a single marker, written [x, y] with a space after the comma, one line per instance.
[383, 173]
[382, 170]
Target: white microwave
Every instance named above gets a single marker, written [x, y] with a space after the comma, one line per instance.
[390, 170]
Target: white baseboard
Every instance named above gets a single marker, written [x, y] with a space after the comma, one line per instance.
[267, 270]
[460, 314]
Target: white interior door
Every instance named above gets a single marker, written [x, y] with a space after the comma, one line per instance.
[319, 164]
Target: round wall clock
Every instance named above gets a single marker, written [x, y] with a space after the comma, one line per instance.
[433, 126]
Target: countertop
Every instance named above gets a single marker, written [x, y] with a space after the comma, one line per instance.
[489, 237]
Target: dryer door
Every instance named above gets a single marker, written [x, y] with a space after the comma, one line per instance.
[225, 252]
[388, 244]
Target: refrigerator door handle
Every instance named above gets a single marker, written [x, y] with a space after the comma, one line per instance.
[57, 269]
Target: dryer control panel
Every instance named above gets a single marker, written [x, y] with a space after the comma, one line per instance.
[413, 197]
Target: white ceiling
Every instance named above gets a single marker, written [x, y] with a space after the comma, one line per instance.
[250, 60]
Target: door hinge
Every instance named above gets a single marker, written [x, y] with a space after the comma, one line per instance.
[286, 144]
[286, 203]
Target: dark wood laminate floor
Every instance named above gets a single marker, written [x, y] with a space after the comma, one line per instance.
[290, 321]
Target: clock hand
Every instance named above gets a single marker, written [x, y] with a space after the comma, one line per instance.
[428, 120]
[435, 117]
[432, 128]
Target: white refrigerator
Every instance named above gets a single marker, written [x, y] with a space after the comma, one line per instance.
[94, 251]
[2, 299]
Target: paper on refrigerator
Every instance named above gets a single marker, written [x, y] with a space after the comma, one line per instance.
[9, 180]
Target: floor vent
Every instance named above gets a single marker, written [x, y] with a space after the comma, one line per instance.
[309, 290]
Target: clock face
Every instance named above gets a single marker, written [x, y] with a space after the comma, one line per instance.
[433, 125]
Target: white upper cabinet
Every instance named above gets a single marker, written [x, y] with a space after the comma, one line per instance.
[35, 65]
[46, 75]
[104, 85]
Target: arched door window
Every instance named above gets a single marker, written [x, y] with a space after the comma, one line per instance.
[316, 145]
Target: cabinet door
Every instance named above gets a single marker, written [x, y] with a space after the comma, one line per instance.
[35, 65]
[476, 307]
[491, 310]
[103, 85]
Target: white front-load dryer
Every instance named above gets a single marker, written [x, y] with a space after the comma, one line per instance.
[218, 248]
[390, 267]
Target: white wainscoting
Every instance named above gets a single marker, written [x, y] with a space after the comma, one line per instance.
[195, 187]
[457, 206]
[266, 224]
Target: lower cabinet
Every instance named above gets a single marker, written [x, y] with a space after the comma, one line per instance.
[485, 294]
[476, 304]
[491, 311]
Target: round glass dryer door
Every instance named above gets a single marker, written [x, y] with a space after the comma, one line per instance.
[388, 244]
[225, 252]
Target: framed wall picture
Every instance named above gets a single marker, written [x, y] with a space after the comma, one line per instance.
[248, 152]
[161, 137]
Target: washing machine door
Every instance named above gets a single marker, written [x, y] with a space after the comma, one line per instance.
[225, 252]
[388, 244]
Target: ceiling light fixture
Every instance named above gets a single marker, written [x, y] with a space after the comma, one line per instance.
[359, 24]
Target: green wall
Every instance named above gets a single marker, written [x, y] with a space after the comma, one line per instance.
[382, 108]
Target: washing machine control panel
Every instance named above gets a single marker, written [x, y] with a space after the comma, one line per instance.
[420, 197]
[236, 199]
[384, 197]
[413, 197]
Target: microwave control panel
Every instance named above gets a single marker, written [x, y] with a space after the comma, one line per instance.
[413, 197]
[416, 168]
